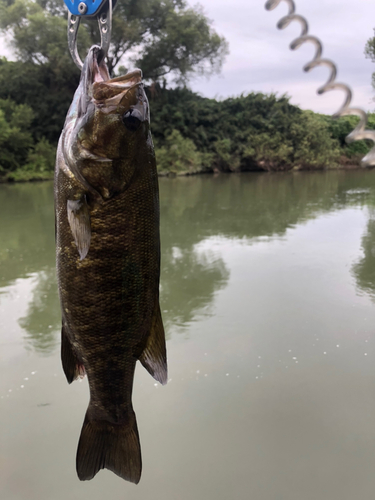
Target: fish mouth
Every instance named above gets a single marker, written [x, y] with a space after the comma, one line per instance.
[104, 89]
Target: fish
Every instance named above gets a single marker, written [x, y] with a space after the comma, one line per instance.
[108, 260]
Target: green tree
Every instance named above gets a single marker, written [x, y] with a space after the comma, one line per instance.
[20, 157]
[180, 156]
[160, 36]
[15, 136]
[252, 132]
[313, 145]
[370, 53]
[340, 128]
[47, 89]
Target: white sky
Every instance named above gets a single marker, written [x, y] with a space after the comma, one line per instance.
[260, 59]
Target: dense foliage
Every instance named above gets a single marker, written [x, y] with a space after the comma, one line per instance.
[250, 132]
[159, 36]
[20, 157]
[192, 134]
[47, 89]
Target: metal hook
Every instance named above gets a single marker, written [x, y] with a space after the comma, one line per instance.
[104, 19]
[105, 28]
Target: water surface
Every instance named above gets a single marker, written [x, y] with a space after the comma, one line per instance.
[267, 293]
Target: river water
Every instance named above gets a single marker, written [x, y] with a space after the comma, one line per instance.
[268, 297]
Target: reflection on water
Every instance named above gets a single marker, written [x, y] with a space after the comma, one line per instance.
[253, 206]
[192, 209]
[273, 375]
[364, 269]
[27, 251]
[43, 313]
[190, 278]
[26, 230]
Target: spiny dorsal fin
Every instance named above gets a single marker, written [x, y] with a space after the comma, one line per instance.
[79, 221]
[154, 355]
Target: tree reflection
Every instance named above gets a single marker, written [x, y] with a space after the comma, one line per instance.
[193, 210]
[189, 280]
[43, 316]
[364, 269]
[26, 230]
[245, 205]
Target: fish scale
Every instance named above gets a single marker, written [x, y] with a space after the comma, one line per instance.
[108, 262]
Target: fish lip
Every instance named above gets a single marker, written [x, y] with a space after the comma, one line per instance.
[96, 84]
[97, 73]
[130, 79]
[105, 91]
[98, 88]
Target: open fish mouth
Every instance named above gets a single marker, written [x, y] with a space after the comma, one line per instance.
[104, 88]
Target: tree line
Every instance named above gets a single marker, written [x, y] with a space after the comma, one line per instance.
[170, 41]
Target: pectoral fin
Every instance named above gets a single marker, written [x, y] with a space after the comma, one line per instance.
[154, 355]
[79, 221]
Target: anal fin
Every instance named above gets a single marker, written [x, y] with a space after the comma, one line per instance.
[79, 221]
[154, 355]
[72, 366]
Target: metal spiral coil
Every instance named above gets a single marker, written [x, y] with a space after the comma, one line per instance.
[360, 131]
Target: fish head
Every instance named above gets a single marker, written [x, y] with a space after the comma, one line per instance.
[106, 135]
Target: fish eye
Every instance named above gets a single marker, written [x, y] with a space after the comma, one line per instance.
[132, 119]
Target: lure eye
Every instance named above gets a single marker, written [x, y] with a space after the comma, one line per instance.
[132, 119]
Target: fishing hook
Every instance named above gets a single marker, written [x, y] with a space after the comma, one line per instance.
[104, 18]
[359, 132]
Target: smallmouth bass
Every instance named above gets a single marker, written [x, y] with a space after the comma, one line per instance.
[108, 260]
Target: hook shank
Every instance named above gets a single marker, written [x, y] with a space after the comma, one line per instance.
[104, 19]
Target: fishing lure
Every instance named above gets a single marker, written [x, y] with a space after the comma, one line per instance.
[360, 132]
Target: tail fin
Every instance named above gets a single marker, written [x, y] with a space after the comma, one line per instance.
[104, 445]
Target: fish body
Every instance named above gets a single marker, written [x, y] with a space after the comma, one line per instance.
[108, 260]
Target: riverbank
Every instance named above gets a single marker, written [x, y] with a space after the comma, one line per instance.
[20, 176]
[194, 135]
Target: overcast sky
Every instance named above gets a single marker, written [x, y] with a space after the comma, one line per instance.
[260, 58]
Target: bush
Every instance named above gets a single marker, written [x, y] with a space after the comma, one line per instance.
[20, 158]
[341, 127]
[15, 136]
[314, 146]
[41, 158]
[252, 132]
[179, 155]
[40, 163]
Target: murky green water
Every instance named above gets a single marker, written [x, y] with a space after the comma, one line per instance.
[268, 291]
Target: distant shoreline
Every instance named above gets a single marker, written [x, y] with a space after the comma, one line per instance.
[348, 166]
